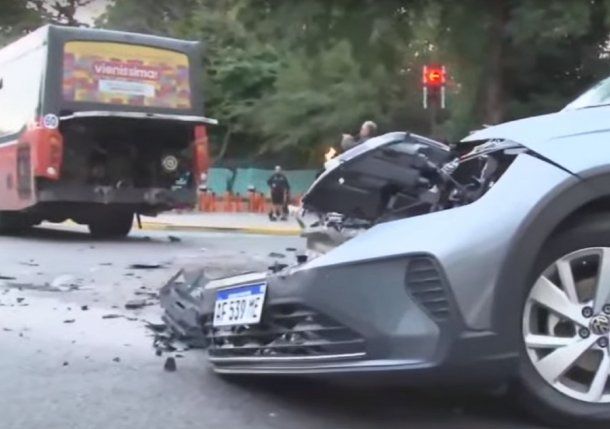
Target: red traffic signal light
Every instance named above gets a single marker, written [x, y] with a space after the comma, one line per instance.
[434, 76]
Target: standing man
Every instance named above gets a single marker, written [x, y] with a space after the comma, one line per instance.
[280, 188]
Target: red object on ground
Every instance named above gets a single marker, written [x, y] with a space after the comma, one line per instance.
[252, 202]
[228, 205]
[238, 205]
[262, 203]
[212, 202]
[206, 202]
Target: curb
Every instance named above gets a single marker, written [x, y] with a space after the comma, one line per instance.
[161, 226]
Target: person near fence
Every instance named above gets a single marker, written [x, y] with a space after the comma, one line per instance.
[280, 190]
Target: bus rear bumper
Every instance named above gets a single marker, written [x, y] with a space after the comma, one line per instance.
[142, 199]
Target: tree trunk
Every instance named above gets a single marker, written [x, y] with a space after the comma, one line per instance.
[493, 102]
[225, 145]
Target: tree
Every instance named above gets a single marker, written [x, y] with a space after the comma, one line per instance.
[16, 20]
[148, 16]
[290, 77]
[59, 11]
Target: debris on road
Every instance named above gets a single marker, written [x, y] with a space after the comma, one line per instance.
[119, 316]
[65, 364]
[20, 299]
[276, 255]
[163, 341]
[156, 327]
[180, 300]
[7, 277]
[277, 267]
[29, 263]
[170, 364]
[69, 320]
[116, 359]
[65, 282]
[291, 249]
[46, 287]
[84, 307]
[151, 295]
[134, 304]
[174, 239]
[144, 266]
[106, 264]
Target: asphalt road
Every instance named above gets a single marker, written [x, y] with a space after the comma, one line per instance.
[68, 361]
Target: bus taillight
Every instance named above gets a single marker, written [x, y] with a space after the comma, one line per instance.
[48, 147]
[201, 152]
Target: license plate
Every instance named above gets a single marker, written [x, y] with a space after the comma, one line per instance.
[240, 306]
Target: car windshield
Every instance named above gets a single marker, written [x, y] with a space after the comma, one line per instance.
[598, 95]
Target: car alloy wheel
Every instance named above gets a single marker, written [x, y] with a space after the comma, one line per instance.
[566, 325]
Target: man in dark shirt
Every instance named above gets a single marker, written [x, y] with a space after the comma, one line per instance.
[280, 188]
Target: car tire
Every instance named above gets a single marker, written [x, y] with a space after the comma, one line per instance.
[536, 395]
[116, 224]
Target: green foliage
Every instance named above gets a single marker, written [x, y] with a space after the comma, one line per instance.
[288, 77]
[16, 19]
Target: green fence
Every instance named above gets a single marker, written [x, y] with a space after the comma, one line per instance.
[221, 180]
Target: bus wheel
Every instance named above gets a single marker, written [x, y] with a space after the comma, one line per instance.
[115, 224]
[11, 222]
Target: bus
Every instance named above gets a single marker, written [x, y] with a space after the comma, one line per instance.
[99, 126]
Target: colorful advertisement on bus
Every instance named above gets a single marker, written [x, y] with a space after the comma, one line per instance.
[123, 74]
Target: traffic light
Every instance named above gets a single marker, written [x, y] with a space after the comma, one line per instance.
[434, 78]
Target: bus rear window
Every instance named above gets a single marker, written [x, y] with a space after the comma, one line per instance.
[123, 74]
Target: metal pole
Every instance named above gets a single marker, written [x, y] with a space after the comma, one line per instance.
[425, 100]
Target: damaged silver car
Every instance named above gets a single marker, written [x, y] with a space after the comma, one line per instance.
[485, 262]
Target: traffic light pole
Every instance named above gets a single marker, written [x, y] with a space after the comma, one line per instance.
[433, 120]
[434, 93]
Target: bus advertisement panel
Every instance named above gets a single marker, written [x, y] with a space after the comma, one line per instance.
[122, 74]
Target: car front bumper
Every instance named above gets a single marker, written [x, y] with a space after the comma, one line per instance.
[382, 318]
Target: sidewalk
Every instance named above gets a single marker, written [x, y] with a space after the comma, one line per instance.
[253, 223]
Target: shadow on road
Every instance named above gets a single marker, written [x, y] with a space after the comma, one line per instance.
[73, 235]
[392, 407]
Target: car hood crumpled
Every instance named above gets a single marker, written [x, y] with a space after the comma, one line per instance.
[569, 138]
[353, 184]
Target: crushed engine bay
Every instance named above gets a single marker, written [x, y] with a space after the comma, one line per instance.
[397, 176]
